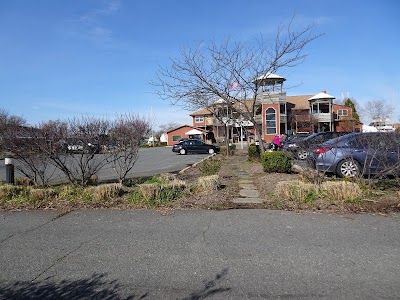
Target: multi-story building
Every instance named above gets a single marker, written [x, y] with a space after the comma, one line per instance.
[277, 113]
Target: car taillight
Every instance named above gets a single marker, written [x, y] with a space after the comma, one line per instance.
[322, 150]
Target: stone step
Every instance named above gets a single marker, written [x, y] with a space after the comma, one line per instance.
[249, 193]
[247, 186]
[247, 200]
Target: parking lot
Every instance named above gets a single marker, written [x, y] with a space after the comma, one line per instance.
[151, 161]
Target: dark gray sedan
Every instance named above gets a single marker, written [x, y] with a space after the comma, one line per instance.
[357, 154]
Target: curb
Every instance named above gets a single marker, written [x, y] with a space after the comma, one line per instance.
[195, 164]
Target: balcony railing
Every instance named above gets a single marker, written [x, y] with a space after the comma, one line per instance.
[271, 97]
[323, 117]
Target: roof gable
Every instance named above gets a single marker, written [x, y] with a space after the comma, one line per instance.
[189, 126]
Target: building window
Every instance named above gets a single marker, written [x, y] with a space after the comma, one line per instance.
[342, 112]
[270, 118]
[176, 138]
[320, 107]
[324, 108]
[199, 119]
[315, 109]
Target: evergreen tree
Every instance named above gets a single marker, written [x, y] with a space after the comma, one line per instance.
[351, 104]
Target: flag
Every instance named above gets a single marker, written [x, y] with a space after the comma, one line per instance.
[234, 85]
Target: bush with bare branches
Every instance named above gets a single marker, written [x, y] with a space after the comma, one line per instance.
[126, 135]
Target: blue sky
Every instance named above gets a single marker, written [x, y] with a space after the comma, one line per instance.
[60, 59]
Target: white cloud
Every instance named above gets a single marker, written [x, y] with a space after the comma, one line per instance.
[92, 25]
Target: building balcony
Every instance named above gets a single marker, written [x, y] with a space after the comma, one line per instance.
[323, 117]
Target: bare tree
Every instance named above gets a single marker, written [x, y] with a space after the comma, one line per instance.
[25, 144]
[7, 120]
[165, 127]
[226, 73]
[126, 136]
[74, 145]
[379, 111]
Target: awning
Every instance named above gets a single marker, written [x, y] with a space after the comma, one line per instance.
[193, 132]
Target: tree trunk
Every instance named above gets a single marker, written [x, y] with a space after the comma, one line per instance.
[227, 139]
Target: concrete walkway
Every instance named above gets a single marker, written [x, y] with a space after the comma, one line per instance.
[248, 193]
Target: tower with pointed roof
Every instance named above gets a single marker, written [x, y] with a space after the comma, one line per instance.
[321, 112]
[271, 110]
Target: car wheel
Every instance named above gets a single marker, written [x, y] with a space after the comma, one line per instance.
[348, 168]
[302, 154]
[211, 151]
[182, 151]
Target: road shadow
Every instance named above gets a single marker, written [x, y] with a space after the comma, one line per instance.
[96, 287]
[210, 287]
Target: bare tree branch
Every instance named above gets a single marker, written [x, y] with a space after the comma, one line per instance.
[204, 74]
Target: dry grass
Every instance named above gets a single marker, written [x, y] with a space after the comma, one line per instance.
[342, 191]
[191, 190]
[107, 191]
[332, 191]
[148, 190]
[296, 191]
[209, 183]
[42, 194]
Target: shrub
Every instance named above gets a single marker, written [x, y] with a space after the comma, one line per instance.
[253, 153]
[276, 161]
[210, 166]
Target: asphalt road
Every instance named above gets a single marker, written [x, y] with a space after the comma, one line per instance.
[151, 161]
[234, 254]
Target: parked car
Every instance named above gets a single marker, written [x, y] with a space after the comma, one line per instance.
[356, 154]
[291, 142]
[305, 146]
[80, 147]
[194, 146]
